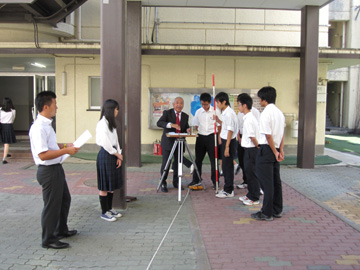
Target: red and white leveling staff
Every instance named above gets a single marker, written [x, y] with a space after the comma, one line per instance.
[216, 150]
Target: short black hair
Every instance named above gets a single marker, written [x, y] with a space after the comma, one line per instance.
[221, 97]
[245, 99]
[7, 105]
[108, 111]
[44, 98]
[206, 97]
[267, 93]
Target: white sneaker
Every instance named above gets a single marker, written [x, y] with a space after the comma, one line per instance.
[171, 170]
[261, 192]
[250, 202]
[114, 213]
[108, 217]
[243, 198]
[222, 194]
[241, 186]
[191, 169]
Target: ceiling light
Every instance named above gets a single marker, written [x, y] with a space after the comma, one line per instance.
[18, 68]
[38, 65]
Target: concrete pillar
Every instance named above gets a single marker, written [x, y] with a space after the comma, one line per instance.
[308, 86]
[113, 73]
[133, 91]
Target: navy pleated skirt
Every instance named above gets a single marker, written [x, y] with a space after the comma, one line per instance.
[7, 134]
[108, 176]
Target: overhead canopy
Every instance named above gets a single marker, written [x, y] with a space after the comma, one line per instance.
[256, 4]
[42, 11]
[53, 11]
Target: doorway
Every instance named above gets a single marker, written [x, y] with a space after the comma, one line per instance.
[22, 90]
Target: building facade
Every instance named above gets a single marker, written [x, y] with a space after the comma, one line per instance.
[254, 48]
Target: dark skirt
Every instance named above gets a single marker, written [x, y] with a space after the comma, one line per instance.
[108, 176]
[7, 134]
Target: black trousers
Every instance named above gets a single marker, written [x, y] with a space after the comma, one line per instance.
[268, 173]
[57, 200]
[165, 157]
[240, 152]
[228, 165]
[250, 170]
[203, 145]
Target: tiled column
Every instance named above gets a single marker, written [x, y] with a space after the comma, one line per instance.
[308, 86]
[113, 72]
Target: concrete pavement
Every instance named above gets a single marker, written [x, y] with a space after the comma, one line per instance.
[319, 229]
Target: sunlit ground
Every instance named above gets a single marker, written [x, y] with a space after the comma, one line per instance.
[344, 143]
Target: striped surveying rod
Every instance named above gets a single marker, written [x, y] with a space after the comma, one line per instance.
[216, 150]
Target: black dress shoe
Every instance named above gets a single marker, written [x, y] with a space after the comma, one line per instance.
[260, 216]
[68, 234]
[164, 188]
[56, 245]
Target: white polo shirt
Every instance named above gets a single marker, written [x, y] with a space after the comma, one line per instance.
[229, 123]
[240, 116]
[272, 122]
[205, 121]
[43, 138]
[250, 129]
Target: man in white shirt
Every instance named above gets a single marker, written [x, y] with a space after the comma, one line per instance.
[240, 149]
[205, 142]
[271, 152]
[50, 174]
[250, 145]
[229, 130]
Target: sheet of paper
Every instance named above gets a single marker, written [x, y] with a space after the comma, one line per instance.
[84, 137]
[174, 133]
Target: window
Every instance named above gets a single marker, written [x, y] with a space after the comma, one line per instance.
[94, 93]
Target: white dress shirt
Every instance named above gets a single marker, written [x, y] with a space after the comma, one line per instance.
[251, 129]
[169, 124]
[272, 122]
[204, 120]
[43, 138]
[229, 123]
[7, 117]
[107, 139]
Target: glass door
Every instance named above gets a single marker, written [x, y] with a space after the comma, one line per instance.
[39, 86]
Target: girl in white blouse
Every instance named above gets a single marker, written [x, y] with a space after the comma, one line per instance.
[108, 162]
[7, 117]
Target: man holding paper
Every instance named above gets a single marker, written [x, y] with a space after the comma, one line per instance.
[173, 120]
[48, 156]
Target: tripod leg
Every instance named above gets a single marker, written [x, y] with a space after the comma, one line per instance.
[193, 162]
[167, 164]
[180, 162]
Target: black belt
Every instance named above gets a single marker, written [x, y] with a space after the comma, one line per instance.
[206, 135]
[57, 164]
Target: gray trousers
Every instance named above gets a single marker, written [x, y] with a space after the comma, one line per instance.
[57, 199]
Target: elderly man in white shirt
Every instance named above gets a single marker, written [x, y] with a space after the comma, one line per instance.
[48, 155]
